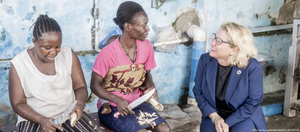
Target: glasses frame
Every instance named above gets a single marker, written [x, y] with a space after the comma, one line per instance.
[222, 41]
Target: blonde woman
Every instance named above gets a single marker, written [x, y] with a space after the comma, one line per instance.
[229, 82]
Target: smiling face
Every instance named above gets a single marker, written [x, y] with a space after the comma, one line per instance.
[138, 27]
[48, 46]
[222, 51]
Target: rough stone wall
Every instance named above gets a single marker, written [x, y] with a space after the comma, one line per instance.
[290, 10]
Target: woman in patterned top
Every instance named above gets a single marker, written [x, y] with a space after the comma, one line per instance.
[122, 72]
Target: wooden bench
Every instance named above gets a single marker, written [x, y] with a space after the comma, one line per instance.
[12, 128]
[96, 119]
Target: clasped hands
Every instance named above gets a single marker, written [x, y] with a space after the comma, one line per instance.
[220, 125]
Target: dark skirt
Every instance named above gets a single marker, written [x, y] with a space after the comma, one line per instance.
[84, 124]
[128, 123]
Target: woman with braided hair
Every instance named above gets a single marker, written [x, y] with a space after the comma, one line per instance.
[44, 80]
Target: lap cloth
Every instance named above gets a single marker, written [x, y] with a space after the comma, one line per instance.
[85, 124]
[129, 123]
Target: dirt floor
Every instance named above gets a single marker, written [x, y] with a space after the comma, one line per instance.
[280, 123]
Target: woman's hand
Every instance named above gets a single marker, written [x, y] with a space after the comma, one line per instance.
[220, 125]
[48, 125]
[78, 109]
[123, 108]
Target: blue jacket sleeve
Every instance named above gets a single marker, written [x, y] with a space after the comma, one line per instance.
[203, 104]
[254, 99]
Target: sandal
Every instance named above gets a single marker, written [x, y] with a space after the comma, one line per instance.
[158, 106]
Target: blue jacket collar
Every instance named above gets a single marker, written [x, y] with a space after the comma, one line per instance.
[211, 75]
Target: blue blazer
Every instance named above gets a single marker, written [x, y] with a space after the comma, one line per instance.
[244, 92]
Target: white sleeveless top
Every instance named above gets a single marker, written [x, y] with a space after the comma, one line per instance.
[48, 95]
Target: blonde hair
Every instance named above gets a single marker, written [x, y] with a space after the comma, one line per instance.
[242, 38]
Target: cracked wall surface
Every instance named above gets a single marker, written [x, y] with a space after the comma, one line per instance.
[290, 10]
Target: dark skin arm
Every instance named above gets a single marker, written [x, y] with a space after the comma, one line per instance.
[149, 81]
[79, 86]
[19, 104]
[149, 84]
[97, 89]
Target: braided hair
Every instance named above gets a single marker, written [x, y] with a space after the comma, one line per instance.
[126, 12]
[44, 24]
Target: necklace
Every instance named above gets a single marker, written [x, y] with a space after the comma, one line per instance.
[127, 53]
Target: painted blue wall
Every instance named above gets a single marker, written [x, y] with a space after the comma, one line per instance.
[171, 75]
[248, 13]
[18, 16]
[278, 47]
[4, 98]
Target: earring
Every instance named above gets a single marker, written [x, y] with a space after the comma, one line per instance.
[230, 54]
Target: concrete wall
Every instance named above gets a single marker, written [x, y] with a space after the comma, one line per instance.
[171, 75]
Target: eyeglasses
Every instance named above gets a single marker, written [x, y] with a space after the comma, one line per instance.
[219, 41]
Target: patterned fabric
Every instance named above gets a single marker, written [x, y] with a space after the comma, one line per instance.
[129, 123]
[124, 81]
[125, 78]
[129, 97]
[114, 55]
[85, 124]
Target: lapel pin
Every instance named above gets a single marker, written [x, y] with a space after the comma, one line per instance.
[239, 72]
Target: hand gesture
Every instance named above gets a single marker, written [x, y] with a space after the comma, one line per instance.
[48, 125]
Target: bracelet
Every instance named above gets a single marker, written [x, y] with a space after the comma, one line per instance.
[214, 118]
